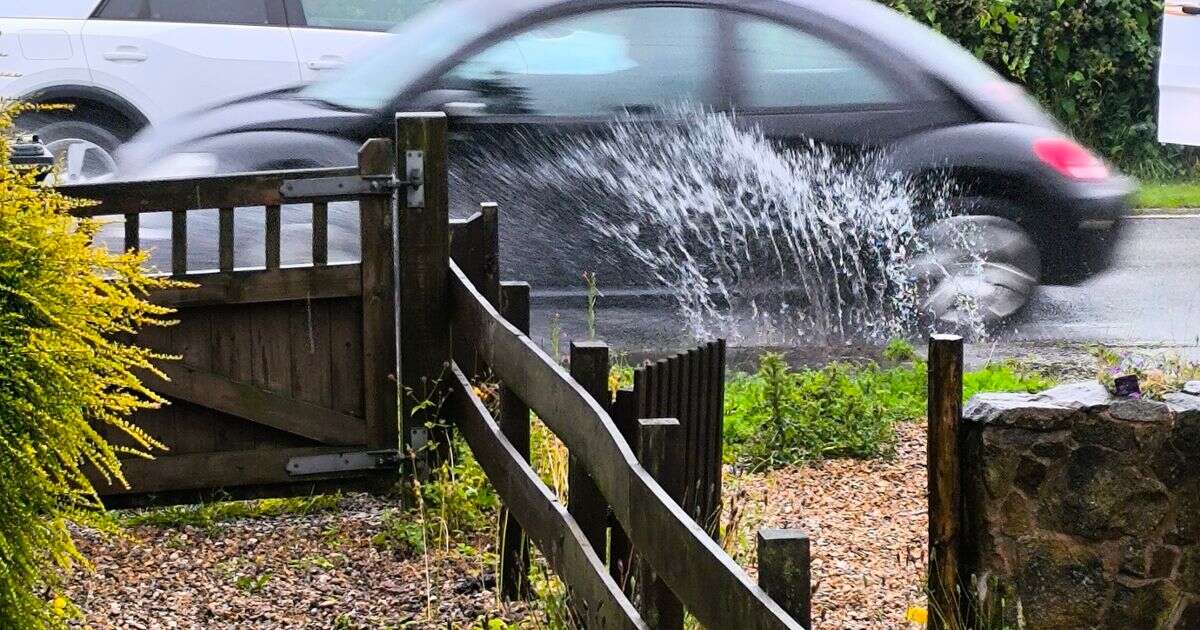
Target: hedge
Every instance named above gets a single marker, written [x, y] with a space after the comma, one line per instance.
[1092, 63]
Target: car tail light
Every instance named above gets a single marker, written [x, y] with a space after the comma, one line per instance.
[1070, 159]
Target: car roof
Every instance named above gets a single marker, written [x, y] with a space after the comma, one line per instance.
[938, 56]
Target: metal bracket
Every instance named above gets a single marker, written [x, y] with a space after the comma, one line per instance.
[350, 186]
[343, 462]
[414, 169]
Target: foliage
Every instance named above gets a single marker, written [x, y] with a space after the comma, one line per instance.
[64, 309]
[1090, 63]
[779, 416]
[456, 500]
[1157, 374]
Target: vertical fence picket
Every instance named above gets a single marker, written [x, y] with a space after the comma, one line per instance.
[784, 571]
[320, 234]
[272, 230]
[133, 232]
[514, 423]
[225, 243]
[658, 442]
[179, 244]
[589, 368]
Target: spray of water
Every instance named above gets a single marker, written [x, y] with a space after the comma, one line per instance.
[755, 241]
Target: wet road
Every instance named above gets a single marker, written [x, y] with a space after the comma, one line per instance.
[1150, 296]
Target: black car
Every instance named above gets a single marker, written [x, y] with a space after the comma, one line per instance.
[849, 74]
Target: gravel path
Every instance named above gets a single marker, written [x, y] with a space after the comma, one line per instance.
[868, 525]
[866, 519]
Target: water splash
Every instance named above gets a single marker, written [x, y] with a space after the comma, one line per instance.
[754, 241]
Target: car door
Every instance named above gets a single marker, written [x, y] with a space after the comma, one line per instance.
[1179, 75]
[328, 33]
[182, 55]
[812, 81]
[524, 110]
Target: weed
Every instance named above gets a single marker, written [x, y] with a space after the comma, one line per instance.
[556, 337]
[593, 294]
[253, 583]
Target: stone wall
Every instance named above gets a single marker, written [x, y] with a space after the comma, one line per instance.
[1082, 510]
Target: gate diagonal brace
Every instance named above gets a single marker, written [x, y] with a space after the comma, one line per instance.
[343, 462]
[351, 186]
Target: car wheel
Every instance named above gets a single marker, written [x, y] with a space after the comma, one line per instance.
[82, 151]
[977, 270]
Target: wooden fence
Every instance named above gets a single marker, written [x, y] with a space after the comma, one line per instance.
[264, 404]
[286, 378]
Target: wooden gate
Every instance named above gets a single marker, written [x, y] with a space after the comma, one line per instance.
[286, 378]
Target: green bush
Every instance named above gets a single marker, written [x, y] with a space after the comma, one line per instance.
[778, 416]
[1092, 63]
[62, 373]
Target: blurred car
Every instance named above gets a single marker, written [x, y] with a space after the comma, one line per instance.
[849, 74]
[126, 64]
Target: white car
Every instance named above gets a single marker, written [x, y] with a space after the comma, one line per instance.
[1179, 75]
[126, 64]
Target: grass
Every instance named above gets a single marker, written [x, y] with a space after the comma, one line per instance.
[1169, 195]
[210, 515]
[779, 416]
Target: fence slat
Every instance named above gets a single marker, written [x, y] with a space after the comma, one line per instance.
[658, 442]
[179, 244]
[271, 236]
[945, 413]
[589, 368]
[514, 423]
[596, 596]
[320, 233]
[712, 586]
[225, 242]
[133, 232]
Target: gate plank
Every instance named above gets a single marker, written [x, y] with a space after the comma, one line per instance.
[211, 470]
[311, 352]
[270, 348]
[345, 372]
[258, 286]
[251, 403]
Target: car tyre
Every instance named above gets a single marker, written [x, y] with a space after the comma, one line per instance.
[976, 271]
[82, 150]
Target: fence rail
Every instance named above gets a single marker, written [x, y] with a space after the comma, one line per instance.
[703, 577]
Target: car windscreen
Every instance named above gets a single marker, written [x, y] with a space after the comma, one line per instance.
[375, 80]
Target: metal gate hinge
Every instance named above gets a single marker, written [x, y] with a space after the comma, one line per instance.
[350, 186]
[343, 462]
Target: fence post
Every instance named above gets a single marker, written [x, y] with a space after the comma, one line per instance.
[945, 495]
[377, 225]
[423, 254]
[655, 437]
[514, 422]
[589, 368]
[784, 561]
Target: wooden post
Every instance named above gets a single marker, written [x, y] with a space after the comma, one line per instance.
[945, 414]
[514, 422]
[378, 300]
[589, 368]
[490, 283]
[423, 253]
[656, 440]
[784, 562]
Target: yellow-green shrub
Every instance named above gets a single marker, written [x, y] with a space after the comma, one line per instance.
[63, 371]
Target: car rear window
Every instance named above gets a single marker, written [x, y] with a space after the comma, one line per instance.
[68, 9]
[251, 12]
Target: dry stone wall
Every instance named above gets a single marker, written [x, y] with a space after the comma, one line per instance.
[1082, 510]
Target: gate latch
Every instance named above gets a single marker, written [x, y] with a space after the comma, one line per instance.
[343, 462]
